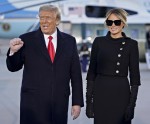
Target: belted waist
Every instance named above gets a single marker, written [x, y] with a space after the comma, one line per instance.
[113, 75]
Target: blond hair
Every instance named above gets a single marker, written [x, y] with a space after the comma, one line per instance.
[120, 13]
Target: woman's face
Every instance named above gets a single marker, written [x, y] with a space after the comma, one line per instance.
[115, 25]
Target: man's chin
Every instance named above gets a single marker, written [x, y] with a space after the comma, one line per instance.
[45, 32]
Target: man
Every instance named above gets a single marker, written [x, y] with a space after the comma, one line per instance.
[45, 85]
[84, 53]
[147, 53]
[148, 38]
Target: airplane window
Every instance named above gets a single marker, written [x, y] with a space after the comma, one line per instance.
[130, 12]
[100, 12]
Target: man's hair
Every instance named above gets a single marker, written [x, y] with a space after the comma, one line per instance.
[51, 8]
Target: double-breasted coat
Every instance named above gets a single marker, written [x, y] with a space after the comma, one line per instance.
[45, 85]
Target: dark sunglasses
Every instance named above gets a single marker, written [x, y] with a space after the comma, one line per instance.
[110, 22]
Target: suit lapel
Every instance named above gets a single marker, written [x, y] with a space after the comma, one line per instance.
[60, 45]
[40, 42]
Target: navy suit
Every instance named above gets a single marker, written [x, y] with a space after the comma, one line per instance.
[45, 85]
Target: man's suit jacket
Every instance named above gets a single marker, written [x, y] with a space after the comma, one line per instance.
[45, 85]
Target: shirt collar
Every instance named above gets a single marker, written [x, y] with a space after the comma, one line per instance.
[54, 35]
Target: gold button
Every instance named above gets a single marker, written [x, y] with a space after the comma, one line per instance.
[118, 63]
[119, 55]
[117, 71]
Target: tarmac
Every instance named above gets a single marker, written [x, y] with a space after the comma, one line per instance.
[10, 84]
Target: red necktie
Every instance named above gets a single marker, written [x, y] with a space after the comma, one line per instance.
[51, 49]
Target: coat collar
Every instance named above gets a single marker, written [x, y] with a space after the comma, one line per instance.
[40, 42]
[109, 34]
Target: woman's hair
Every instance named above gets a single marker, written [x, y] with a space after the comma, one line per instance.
[51, 8]
[120, 13]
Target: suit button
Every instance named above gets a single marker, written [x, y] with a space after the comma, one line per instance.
[118, 63]
[117, 71]
[121, 48]
[119, 55]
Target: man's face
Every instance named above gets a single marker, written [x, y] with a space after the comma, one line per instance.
[48, 22]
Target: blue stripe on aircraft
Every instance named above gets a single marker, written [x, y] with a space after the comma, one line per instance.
[5, 5]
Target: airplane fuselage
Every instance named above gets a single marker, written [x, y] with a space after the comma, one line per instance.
[11, 28]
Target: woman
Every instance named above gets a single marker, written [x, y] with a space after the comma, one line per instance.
[110, 96]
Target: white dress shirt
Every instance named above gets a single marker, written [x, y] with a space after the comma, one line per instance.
[54, 40]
